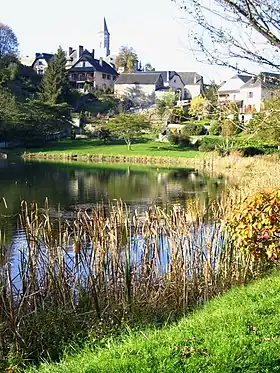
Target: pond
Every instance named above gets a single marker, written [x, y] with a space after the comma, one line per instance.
[71, 186]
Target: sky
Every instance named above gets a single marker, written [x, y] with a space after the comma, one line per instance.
[154, 28]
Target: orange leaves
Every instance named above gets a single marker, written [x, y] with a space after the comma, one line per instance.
[255, 225]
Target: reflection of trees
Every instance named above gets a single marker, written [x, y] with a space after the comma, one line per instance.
[68, 186]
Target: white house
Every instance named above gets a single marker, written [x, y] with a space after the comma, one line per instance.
[41, 62]
[171, 81]
[230, 90]
[193, 84]
[140, 87]
[249, 92]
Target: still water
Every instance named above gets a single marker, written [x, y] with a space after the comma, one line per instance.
[71, 186]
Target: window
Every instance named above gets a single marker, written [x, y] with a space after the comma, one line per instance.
[174, 80]
[250, 94]
[234, 97]
[272, 94]
[114, 77]
[109, 77]
[103, 76]
[84, 63]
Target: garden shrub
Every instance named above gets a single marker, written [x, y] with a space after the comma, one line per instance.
[179, 139]
[215, 128]
[209, 144]
[193, 129]
[255, 225]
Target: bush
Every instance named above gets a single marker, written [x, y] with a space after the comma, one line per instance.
[204, 147]
[179, 139]
[229, 128]
[193, 129]
[215, 128]
[255, 225]
[208, 144]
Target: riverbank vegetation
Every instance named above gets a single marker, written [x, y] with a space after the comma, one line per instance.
[236, 332]
[89, 277]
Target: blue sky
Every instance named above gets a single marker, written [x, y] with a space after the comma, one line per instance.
[154, 28]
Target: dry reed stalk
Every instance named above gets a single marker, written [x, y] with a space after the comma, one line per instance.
[111, 262]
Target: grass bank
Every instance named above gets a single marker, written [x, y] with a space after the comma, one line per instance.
[95, 150]
[238, 332]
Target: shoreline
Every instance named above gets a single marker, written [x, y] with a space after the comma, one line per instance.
[102, 158]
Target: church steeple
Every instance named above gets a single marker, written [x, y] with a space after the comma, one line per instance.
[105, 27]
[104, 40]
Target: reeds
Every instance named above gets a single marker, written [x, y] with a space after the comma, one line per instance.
[109, 266]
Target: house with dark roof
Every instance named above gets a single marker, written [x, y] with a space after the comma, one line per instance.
[140, 88]
[144, 87]
[88, 72]
[193, 83]
[172, 81]
[41, 62]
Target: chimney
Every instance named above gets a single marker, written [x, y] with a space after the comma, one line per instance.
[70, 51]
[167, 76]
[93, 53]
[81, 50]
[101, 61]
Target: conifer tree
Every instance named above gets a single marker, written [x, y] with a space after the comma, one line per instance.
[55, 82]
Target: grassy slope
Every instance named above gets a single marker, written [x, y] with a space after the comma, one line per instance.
[239, 332]
[90, 147]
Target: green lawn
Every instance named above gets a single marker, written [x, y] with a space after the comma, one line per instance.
[238, 332]
[95, 147]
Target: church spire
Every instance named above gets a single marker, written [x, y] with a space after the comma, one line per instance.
[104, 40]
[106, 31]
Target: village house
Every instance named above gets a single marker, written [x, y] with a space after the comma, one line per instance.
[41, 62]
[140, 87]
[171, 81]
[193, 84]
[143, 88]
[249, 92]
[229, 91]
[90, 73]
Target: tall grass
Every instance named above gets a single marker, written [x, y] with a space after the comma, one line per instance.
[108, 267]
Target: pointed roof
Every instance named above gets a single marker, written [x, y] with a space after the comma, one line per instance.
[95, 65]
[106, 31]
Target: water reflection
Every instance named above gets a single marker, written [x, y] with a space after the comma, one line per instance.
[73, 186]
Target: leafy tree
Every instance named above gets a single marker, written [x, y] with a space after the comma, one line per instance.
[198, 107]
[39, 119]
[266, 124]
[126, 59]
[165, 106]
[8, 41]
[128, 127]
[211, 94]
[55, 83]
[8, 113]
[236, 29]
[148, 67]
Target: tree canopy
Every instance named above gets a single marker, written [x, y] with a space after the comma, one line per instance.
[8, 41]
[55, 82]
[126, 59]
[128, 126]
[234, 30]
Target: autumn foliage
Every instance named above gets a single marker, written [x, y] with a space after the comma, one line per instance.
[255, 225]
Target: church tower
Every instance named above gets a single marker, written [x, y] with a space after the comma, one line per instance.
[104, 40]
